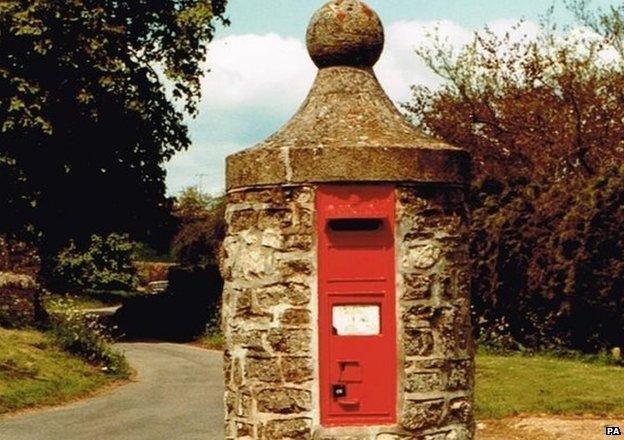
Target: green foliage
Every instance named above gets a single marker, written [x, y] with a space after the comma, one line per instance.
[18, 257]
[211, 340]
[192, 203]
[83, 301]
[202, 228]
[93, 101]
[588, 271]
[81, 334]
[105, 263]
[543, 119]
[34, 371]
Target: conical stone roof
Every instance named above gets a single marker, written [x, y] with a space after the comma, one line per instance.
[347, 130]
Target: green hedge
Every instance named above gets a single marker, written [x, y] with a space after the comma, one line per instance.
[549, 263]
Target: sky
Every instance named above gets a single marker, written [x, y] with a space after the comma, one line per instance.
[258, 71]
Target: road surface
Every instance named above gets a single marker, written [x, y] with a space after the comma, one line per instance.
[177, 394]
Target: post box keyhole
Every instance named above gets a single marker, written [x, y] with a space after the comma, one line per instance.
[339, 390]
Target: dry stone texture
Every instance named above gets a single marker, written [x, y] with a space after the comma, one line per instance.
[269, 265]
[345, 32]
[269, 315]
[438, 354]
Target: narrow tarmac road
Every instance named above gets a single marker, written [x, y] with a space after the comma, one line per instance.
[177, 394]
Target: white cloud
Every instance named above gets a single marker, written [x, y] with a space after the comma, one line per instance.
[256, 82]
[262, 71]
[399, 67]
[580, 36]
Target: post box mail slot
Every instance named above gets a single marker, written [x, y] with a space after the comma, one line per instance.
[357, 333]
[355, 224]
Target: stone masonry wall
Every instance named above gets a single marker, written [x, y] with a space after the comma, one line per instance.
[18, 307]
[437, 351]
[269, 318]
[269, 266]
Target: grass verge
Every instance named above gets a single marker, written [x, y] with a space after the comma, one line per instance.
[35, 371]
[513, 384]
[508, 385]
[211, 341]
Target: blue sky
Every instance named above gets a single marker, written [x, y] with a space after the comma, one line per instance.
[259, 71]
[290, 17]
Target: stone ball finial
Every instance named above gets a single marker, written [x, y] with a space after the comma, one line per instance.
[345, 33]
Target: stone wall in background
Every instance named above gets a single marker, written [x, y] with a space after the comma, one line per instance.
[150, 271]
[19, 300]
[268, 313]
[18, 257]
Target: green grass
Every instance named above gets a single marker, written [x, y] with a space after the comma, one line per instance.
[211, 341]
[514, 384]
[34, 371]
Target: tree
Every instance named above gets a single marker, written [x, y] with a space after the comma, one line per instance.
[104, 264]
[202, 228]
[543, 108]
[548, 261]
[86, 121]
[609, 24]
[544, 120]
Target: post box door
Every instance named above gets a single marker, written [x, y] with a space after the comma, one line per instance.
[357, 321]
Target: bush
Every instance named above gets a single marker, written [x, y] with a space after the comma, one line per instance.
[17, 309]
[10, 280]
[105, 263]
[543, 119]
[81, 334]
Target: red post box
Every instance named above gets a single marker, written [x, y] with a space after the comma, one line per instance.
[357, 319]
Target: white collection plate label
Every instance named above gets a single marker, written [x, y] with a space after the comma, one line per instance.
[356, 320]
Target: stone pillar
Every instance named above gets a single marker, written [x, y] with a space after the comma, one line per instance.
[267, 313]
[434, 307]
[346, 132]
